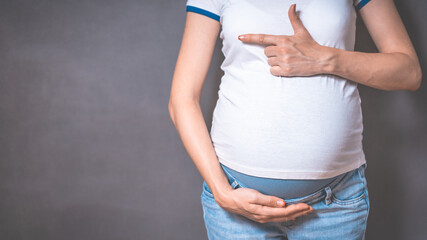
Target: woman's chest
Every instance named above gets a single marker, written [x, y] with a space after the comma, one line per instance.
[330, 22]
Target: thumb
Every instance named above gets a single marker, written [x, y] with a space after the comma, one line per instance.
[295, 20]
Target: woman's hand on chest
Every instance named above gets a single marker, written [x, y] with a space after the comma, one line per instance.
[296, 55]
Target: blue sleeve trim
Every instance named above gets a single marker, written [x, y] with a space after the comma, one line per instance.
[361, 4]
[203, 12]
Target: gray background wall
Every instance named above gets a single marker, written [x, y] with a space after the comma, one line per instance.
[87, 147]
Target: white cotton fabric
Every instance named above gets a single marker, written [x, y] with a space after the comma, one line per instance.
[284, 127]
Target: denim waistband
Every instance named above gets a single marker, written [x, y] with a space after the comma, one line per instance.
[282, 188]
[323, 193]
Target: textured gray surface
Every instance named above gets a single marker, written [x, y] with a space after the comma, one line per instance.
[88, 150]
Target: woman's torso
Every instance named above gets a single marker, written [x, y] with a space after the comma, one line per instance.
[286, 127]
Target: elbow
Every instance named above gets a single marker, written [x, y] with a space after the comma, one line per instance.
[171, 111]
[416, 81]
[178, 104]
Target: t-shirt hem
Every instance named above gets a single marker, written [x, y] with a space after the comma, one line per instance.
[360, 4]
[279, 174]
[204, 12]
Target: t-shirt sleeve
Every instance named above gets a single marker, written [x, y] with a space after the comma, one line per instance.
[358, 4]
[209, 8]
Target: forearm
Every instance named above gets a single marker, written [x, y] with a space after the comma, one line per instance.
[385, 71]
[190, 124]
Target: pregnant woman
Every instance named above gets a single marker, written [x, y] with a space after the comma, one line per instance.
[284, 156]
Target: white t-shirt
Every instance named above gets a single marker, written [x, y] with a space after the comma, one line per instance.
[284, 127]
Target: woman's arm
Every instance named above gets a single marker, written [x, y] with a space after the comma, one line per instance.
[192, 65]
[396, 67]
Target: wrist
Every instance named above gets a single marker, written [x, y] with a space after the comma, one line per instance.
[328, 60]
[222, 194]
[227, 199]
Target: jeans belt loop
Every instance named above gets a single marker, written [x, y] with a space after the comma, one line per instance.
[328, 195]
[234, 184]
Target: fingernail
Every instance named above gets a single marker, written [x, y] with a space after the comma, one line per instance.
[241, 37]
[280, 203]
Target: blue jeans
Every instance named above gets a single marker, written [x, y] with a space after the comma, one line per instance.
[340, 212]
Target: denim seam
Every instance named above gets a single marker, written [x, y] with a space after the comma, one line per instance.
[205, 190]
[367, 214]
[354, 200]
[366, 200]
[349, 202]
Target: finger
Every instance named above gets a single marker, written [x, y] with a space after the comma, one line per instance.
[290, 217]
[273, 61]
[271, 212]
[267, 200]
[295, 20]
[259, 38]
[287, 218]
[278, 70]
[271, 51]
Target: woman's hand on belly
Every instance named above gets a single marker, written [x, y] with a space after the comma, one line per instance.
[259, 207]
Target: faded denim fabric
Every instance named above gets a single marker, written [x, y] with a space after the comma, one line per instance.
[341, 211]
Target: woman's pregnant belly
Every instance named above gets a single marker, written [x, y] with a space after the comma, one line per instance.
[309, 125]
